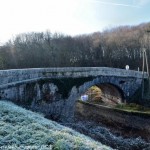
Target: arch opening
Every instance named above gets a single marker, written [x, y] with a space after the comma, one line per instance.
[103, 94]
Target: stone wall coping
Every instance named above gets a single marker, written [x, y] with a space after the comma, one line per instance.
[93, 71]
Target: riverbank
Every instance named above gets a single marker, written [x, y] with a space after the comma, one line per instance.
[116, 128]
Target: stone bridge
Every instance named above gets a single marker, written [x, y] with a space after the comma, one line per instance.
[54, 91]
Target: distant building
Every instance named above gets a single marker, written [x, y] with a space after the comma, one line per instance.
[84, 97]
[127, 67]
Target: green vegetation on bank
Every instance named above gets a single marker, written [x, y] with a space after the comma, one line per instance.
[23, 129]
[132, 107]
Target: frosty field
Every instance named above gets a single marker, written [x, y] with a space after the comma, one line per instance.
[23, 129]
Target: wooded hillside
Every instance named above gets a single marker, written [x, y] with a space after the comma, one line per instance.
[114, 47]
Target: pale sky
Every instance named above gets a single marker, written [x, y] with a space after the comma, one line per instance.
[72, 17]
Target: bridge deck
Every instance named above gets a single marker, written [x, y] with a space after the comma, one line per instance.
[13, 75]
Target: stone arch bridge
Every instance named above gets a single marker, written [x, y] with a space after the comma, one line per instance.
[53, 91]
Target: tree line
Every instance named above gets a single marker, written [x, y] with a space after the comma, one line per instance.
[114, 47]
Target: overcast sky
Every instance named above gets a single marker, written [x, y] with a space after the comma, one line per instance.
[71, 17]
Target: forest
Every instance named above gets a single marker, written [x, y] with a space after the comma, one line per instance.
[115, 47]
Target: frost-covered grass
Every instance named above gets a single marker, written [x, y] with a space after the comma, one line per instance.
[23, 129]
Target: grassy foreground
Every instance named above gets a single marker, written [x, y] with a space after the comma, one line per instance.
[23, 129]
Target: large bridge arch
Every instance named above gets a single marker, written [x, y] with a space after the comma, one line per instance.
[120, 85]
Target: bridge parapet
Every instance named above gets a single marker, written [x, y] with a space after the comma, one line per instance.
[14, 75]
